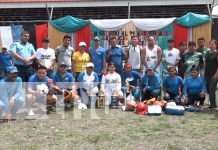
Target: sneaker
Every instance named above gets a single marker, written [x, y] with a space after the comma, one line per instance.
[42, 108]
[30, 112]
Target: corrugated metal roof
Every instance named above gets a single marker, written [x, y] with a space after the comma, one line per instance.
[33, 1]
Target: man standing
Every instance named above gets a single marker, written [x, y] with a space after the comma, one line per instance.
[65, 52]
[24, 54]
[134, 55]
[11, 94]
[170, 58]
[182, 49]
[98, 57]
[115, 54]
[152, 55]
[203, 50]
[45, 56]
[191, 58]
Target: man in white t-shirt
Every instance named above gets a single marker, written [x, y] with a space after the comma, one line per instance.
[133, 55]
[152, 55]
[45, 56]
[170, 58]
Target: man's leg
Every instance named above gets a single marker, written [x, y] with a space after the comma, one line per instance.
[212, 93]
[18, 103]
[30, 99]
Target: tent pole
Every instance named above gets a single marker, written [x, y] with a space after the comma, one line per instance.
[128, 9]
[48, 12]
[51, 12]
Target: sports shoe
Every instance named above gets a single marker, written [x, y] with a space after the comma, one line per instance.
[30, 112]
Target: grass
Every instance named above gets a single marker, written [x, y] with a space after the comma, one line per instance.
[114, 130]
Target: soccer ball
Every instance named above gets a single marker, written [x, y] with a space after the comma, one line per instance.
[43, 89]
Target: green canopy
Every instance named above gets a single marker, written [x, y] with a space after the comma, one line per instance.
[191, 19]
[68, 24]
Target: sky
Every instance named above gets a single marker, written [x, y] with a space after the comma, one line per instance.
[215, 10]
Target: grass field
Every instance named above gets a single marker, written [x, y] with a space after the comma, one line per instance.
[113, 130]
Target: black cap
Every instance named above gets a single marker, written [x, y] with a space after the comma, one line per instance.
[46, 40]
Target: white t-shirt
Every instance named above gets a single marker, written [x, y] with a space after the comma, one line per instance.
[171, 56]
[134, 56]
[45, 56]
[111, 82]
[152, 57]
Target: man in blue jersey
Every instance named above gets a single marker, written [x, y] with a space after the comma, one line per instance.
[35, 94]
[172, 86]
[130, 79]
[98, 57]
[11, 94]
[24, 54]
[115, 54]
[194, 88]
[64, 83]
[5, 62]
[150, 84]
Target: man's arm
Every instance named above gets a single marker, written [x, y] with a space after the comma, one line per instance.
[159, 55]
[142, 57]
[126, 55]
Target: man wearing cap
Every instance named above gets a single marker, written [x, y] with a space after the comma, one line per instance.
[115, 54]
[80, 59]
[11, 94]
[45, 56]
[88, 84]
[24, 54]
[65, 52]
[5, 62]
[64, 80]
[98, 57]
[34, 95]
[150, 84]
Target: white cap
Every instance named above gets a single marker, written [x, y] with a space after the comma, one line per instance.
[82, 44]
[90, 64]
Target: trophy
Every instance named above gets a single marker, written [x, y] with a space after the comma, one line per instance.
[101, 99]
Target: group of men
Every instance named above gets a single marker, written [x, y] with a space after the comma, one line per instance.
[16, 66]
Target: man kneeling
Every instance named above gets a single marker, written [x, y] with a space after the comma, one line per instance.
[10, 95]
[40, 91]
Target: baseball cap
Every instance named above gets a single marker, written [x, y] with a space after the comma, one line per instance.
[12, 69]
[46, 40]
[90, 64]
[96, 38]
[82, 44]
[149, 68]
[62, 63]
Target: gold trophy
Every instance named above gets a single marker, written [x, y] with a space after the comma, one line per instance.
[101, 99]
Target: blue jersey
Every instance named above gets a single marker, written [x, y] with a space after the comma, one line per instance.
[172, 85]
[97, 56]
[34, 81]
[151, 82]
[132, 77]
[116, 57]
[10, 89]
[88, 81]
[25, 50]
[194, 86]
[65, 82]
[5, 60]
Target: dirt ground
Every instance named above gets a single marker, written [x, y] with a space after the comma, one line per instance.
[112, 130]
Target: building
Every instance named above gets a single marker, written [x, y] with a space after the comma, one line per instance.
[31, 10]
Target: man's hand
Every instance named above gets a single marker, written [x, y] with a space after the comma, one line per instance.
[202, 94]
[109, 53]
[215, 77]
[11, 102]
[166, 94]
[132, 87]
[144, 90]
